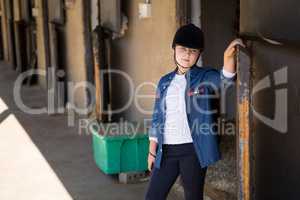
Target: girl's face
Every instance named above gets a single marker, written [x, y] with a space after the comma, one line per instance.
[186, 57]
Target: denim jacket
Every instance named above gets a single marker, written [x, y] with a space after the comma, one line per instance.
[203, 90]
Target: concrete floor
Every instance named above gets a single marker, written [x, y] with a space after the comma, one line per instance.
[42, 158]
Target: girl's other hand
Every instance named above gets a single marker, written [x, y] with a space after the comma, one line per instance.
[151, 160]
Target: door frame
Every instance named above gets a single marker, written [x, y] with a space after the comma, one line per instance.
[244, 120]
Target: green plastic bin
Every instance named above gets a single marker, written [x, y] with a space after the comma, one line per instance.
[120, 153]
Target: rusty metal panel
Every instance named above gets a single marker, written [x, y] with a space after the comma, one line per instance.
[274, 19]
[276, 111]
[244, 121]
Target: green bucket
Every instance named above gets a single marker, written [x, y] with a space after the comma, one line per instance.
[119, 150]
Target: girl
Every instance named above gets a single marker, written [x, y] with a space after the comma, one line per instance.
[179, 143]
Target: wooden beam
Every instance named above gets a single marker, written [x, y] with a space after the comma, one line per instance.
[97, 42]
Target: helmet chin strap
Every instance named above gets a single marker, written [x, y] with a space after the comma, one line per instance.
[177, 64]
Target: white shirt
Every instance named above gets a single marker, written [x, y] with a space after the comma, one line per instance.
[176, 130]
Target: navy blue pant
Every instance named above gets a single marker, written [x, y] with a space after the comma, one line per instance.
[178, 159]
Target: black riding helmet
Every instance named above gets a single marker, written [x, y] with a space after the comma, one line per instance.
[189, 36]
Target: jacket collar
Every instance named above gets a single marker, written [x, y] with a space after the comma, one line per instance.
[190, 76]
[191, 73]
